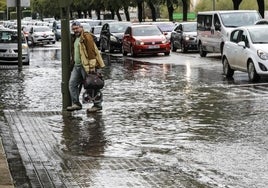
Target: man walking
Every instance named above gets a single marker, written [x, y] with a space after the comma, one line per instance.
[86, 59]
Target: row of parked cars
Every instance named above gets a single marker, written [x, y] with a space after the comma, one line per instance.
[243, 48]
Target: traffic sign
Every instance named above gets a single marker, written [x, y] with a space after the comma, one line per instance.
[13, 3]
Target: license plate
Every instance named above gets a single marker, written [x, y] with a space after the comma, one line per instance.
[9, 55]
[153, 46]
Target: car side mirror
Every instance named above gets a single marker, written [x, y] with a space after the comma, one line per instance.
[242, 44]
[217, 26]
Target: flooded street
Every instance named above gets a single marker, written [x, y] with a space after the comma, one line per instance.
[167, 121]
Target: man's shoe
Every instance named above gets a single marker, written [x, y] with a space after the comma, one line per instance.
[94, 109]
[74, 107]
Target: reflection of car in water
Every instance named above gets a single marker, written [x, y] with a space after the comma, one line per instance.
[9, 47]
[184, 37]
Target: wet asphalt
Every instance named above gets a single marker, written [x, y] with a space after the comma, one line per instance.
[166, 122]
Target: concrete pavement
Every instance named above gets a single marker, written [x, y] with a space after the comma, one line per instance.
[66, 150]
[6, 180]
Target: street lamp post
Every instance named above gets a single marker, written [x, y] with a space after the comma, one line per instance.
[65, 51]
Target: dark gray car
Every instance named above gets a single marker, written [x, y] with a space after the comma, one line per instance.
[184, 37]
[111, 35]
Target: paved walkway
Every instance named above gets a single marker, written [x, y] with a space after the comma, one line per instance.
[5, 177]
[65, 150]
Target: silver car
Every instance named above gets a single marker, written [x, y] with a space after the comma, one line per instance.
[9, 47]
[41, 35]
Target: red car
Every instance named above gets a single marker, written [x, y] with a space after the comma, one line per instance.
[144, 39]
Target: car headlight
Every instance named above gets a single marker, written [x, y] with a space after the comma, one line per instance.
[24, 49]
[263, 55]
[187, 37]
[139, 42]
[113, 38]
[165, 41]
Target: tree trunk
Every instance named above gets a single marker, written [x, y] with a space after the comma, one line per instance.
[139, 3]
[127, 13]
[98, 13]
[79, 13]
[236, 4]
[153, 11]
[184, 9]
[261, 7]
[85, 13]
[89, 13]
[170, 10]
[118, 15]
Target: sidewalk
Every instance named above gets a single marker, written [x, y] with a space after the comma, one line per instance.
[5, 177]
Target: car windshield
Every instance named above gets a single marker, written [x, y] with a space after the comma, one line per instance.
[165, 27]
[258, 35]
[41, 29]
[189, 27]
[97, 30]
[146, 31]
[118, 27]
[236, 19]
[9, 37]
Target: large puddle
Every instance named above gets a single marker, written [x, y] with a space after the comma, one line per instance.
[185, 116]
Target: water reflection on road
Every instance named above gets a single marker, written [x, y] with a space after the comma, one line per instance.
[184, 115]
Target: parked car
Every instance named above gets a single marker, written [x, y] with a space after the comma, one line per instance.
[247, 51]
[184, 37]
[165, 27]
[144, 39]
[111, 35]
[25, 29]
[213, 27]
[261, 22]
[95, 30]
[41, 35]
[56, 29]
[9, 47]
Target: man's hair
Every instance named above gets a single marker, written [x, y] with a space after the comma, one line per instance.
[76, 23]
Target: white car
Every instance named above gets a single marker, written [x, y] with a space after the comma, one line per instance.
[9, 47]
[41, 35]
[247, 51]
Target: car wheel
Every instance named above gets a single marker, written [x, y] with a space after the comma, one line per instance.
[133, 54]
[167, 53]
[124, 52]
[201, 51]
[173, 48]
[227, 70]
[110, 49]
[101, 47]
[252, 74]
[32, 42]
[183, 48]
